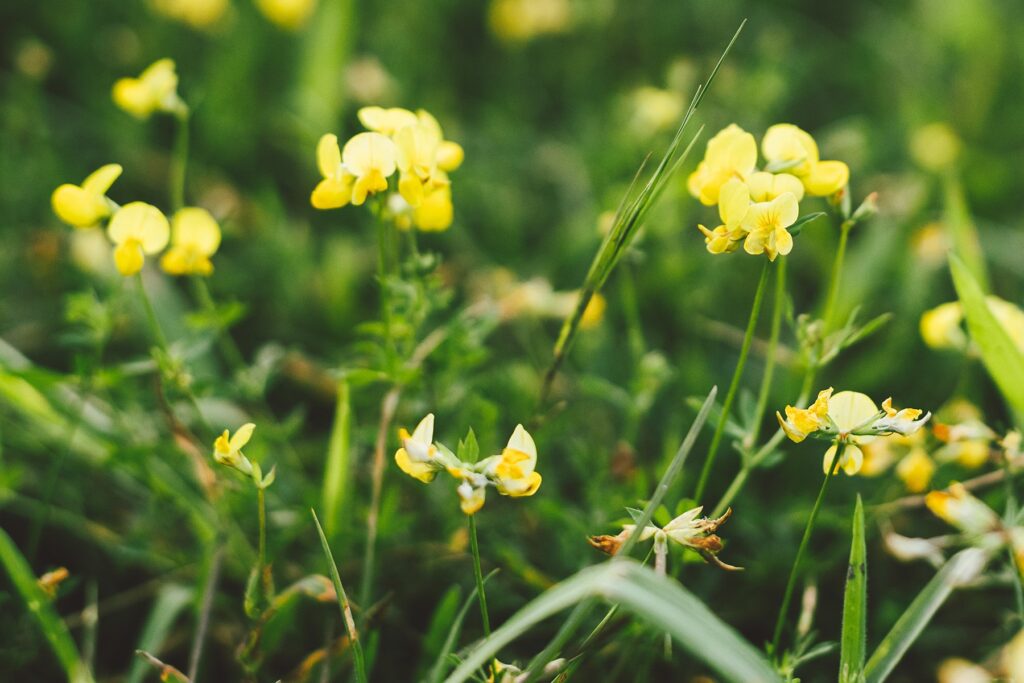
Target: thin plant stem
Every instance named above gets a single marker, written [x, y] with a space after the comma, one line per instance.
[154, 323]
[179, 160]
[203, 624]
[343, 605]
[479, 576]
[773, 342]
[802, 550]
[229, 350]
[755, 309]
[837, 275]
[261, 498]
[383, 275]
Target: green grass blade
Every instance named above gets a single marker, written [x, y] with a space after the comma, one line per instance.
[629, 219]
[337, 469]
[853, 644]
[1004, 361]
[41, 608]
[963, 234]
[170, 602]
[672, 471]
[437, 672]
[958, 570]
[657, 600]
[343, 605]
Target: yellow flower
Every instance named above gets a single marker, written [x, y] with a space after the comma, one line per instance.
[958, 507]
[764, 186]
[904, 421]
[848, 411]
[916, 470]
[386, 121]
[156, 89]
[732, 153]
[199, 14]
[85, 205]
[801, 422]
[370, 157]
[195, 237]
[733, 205]
[935, 146]
[137, 229]
[521, 20]
[290, 15]
[787, 147]
[513, 470]
[435, 211]
[418, 456]
[423, 157]
[766, 223]
[471, 498]
[227, 449]
[940, 327]
[335, 190]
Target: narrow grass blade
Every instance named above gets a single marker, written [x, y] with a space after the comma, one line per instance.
[672, 471]
[170, 602]
[628, 221]
[343, 604]
[963, 234]
[337, 469]
[657, 600]
[957, 571]
[1001, 357]
[40, 607]
[852, 646]
[437, 672]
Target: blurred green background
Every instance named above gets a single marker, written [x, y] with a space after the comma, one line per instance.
[554, 122]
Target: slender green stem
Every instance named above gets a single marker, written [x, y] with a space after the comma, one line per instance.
[801, 551]
[478, 574]
[773, 342]
[179, 161]
[261, 498]
[383, 276]
[837, 275]
[755, 309]
[734, 488]
[229, 350]
[154, 323]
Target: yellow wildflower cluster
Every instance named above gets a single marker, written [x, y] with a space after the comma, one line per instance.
[411, 143]
[290, 15]
[138, 229]
[512, 472]
[523, 20]
[758, 206]
[850, 418]
[155, 90]
[942, 326]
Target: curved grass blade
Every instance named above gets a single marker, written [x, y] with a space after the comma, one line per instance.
[1003, 360]
[343, 605]
[853, 646]
[169, 603]
[336, 471]
[40, 607]
[657, 600]
[958, 570]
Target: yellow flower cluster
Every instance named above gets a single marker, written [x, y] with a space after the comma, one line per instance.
[942, 326]
[512, 472]
[290, 15]
[850, 418]
[155, 90]
[411, 143]
[138, 229]
[757, 207]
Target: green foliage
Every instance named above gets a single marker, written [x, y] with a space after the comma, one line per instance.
[853, 643]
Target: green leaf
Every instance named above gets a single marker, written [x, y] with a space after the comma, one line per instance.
[343, 605]
[1004, 361]
[170, 602]
[853, 641]
[656, 600]
[468, 449]
[41, 608]
[338, 467]
[803, 221]
[957, 571]
[437, 673]
[966, 243]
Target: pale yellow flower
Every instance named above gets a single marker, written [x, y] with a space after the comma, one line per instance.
[764, 186]
[290, 15]
[195, 237]
[386, 121]
[733, 205]
[941, 327]
[801, 422]
[418, 456]
[85, 205]
[958, 507]
[732, 153]
[137, 229]
[156, 89]
[435, 211]
[335, 190]
[423, 157]
[201, 14]
[789, 148]
[370, 157]
[522, 20]
[915, 470]
[766, 223]
[227, 449]
[513, 471]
